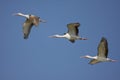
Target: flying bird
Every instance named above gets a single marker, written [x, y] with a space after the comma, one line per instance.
[102, 53]
[31, 20]
[72, 33]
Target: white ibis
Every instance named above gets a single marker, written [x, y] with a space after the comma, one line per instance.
[72, 33]
[31, 20]
[102, 53]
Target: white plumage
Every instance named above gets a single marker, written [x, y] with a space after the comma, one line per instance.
[102, 53]
[72, 33]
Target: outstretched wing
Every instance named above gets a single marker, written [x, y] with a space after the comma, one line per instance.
[94, 61]
[73, 28]
[27, 28]
[103, 48]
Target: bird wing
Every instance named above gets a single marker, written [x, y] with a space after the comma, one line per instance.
[73, 28]
[94, 61]
[26, 28]
[103, 48]
[35, 20]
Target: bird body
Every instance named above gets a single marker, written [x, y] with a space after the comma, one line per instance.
[31, 20]
[72, 33]
[102, 53]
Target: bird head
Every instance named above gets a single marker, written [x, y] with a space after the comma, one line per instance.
[17, 14]
[54, 36]
[86, 56]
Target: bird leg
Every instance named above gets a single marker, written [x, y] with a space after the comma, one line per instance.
[82, 38]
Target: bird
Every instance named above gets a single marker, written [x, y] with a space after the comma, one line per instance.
[72, 33]
[102, 55]
[31, 20]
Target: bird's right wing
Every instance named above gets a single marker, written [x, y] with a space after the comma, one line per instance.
[73, 28]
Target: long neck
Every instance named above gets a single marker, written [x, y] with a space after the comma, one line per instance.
[60, 36]
[23, 15]
[91, 57]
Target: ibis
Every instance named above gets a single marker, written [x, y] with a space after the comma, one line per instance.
[72, 33]
[102, 55]
[31, 20]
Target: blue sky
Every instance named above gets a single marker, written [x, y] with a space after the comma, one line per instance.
[44, 58]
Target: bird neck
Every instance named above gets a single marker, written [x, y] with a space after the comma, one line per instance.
[23, 15]
[60, 36]
[91, 57]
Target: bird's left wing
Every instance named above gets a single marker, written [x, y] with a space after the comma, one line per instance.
[94, 61]
[27, 28]
[73, 28]
[103, 48]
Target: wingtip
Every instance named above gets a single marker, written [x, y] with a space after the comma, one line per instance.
[103, 38]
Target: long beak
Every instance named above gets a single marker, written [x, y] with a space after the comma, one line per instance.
[52, 36]
[82, 57]
[14, 14]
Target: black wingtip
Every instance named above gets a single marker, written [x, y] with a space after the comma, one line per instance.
[25, 37]
[103, 38]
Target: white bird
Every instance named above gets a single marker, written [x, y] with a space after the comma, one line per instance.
[31, 20]
[102, 53]
[72, 33]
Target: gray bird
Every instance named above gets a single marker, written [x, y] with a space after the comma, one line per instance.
[102, 53]
[72, 33]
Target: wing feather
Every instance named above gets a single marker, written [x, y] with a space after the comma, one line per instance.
[73, 28]
[27, 28]
[94, 61]
[103, 48]
[35, 20]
